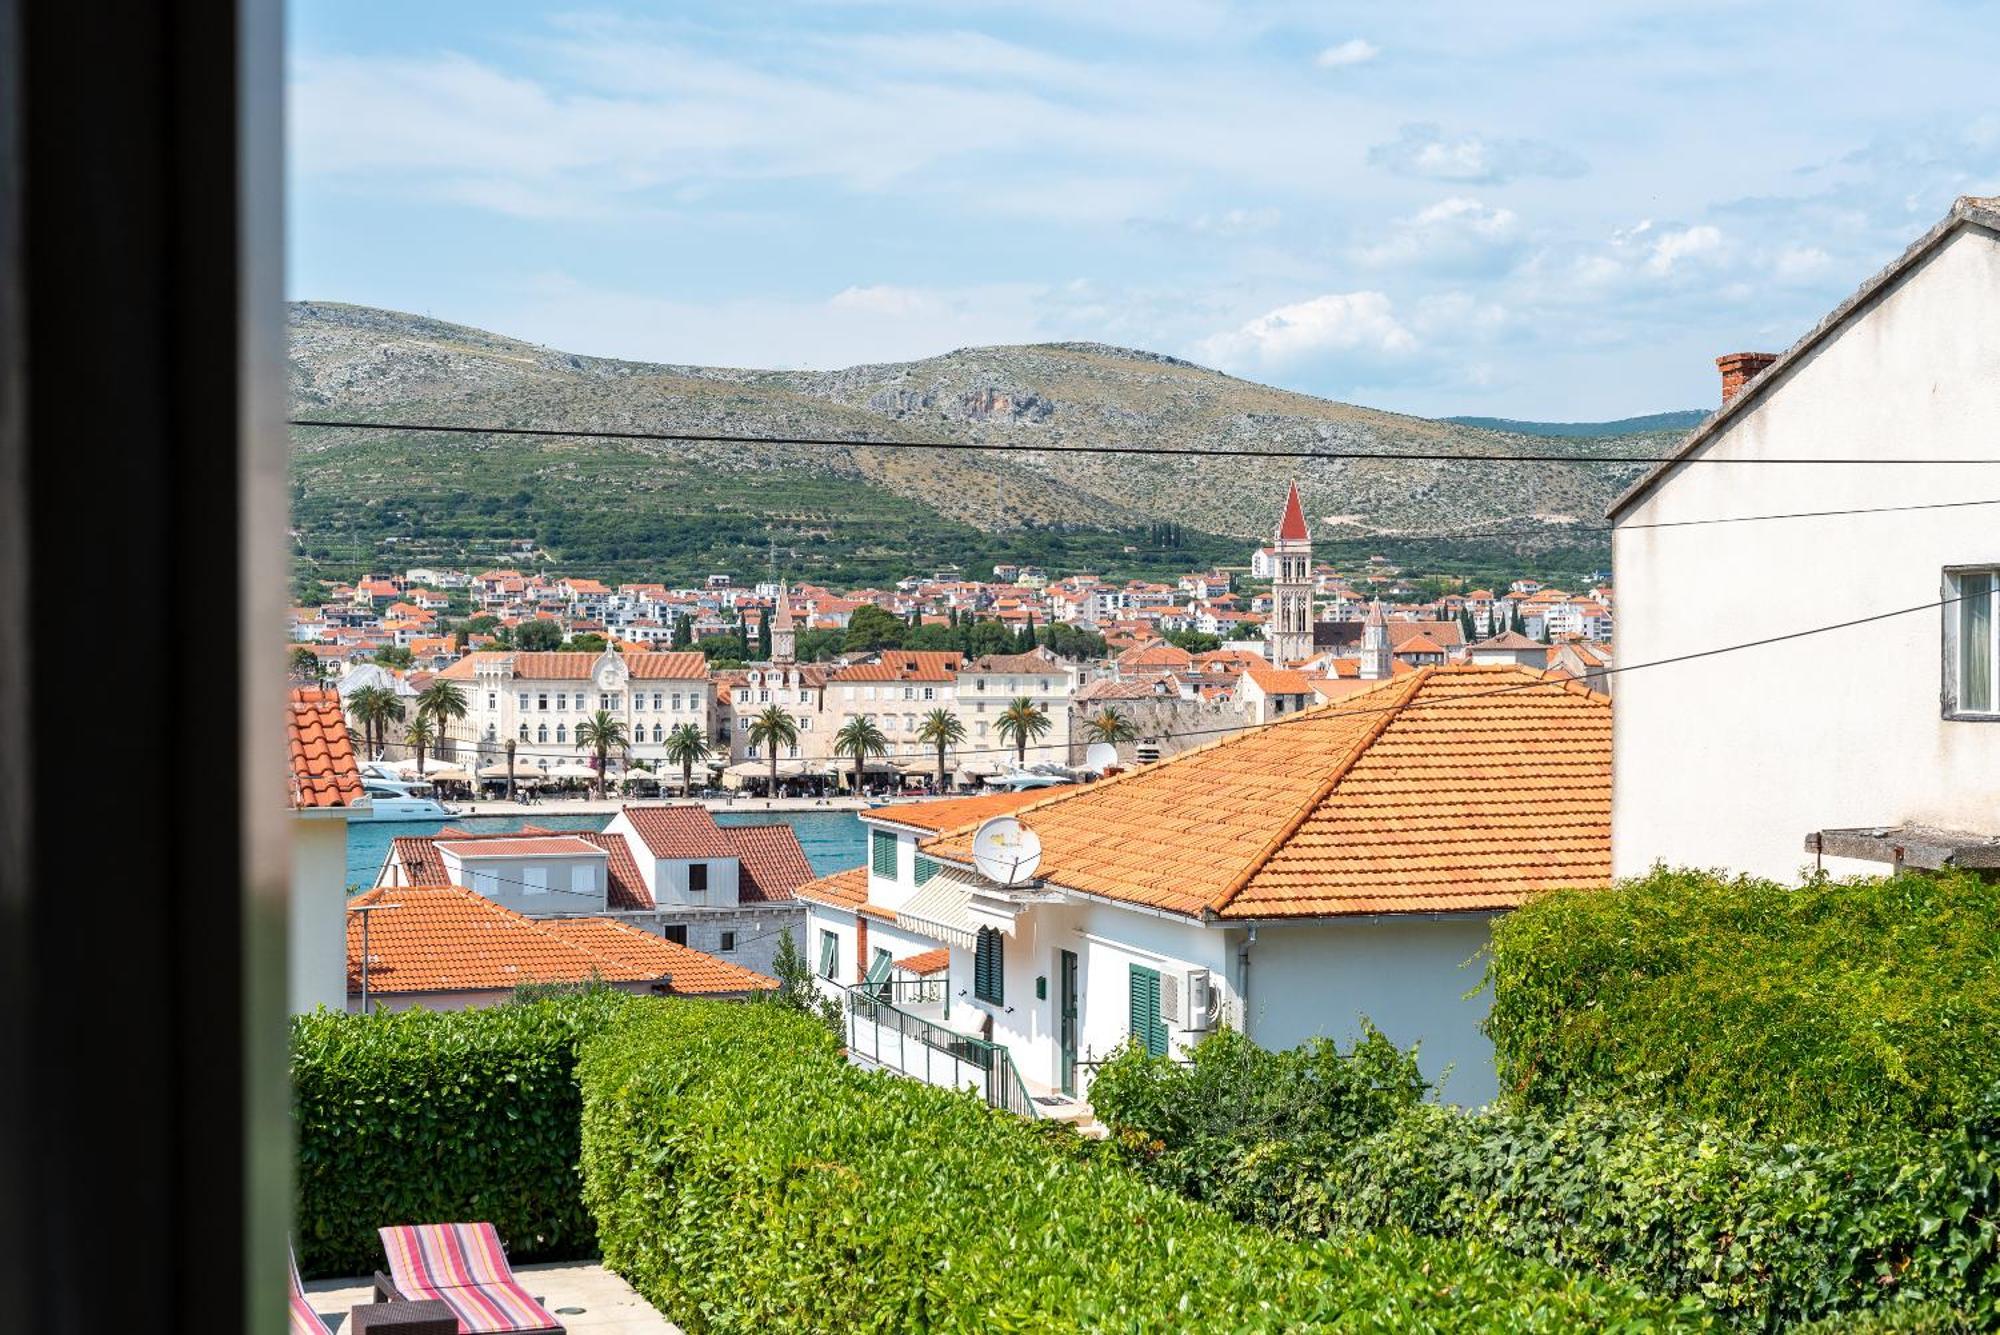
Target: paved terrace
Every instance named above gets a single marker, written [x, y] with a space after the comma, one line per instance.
[608, 1304]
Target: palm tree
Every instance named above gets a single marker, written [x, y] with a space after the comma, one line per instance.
[1108, 725]
[602, 733]
[687, 747]
[941, 728]
[773, 728]
[860, 738]
[1023, 721]
[420, 735]
[443, 704]
[375, 708]
[510, 768]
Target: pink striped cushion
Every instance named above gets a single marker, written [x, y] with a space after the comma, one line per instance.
[304, 1320]
[464, 1267]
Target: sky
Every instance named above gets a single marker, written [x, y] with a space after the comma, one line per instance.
[1548, 211]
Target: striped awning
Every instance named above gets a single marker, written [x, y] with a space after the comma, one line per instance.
[940, 909]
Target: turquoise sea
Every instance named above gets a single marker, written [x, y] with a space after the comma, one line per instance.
[833, 840]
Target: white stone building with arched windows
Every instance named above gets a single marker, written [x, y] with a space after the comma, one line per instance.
[538, 700]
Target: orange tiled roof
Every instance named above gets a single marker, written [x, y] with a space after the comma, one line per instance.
[549, 845]
[691, 971]
[949, 813]
[623, 886]
[680, 832]
[557, 665]
[446, 938]
[771, 863]
[844, 889]
[929, 962]
[1453, 788]
[324, 772]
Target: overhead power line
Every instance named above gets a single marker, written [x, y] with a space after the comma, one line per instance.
[1014, 447]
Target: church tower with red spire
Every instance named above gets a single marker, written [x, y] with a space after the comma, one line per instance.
[1288, 635]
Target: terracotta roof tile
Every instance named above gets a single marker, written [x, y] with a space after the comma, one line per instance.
[927, 963]
[549, 845]
[1452, 788]
[423, 865]
[772, 864]
[950, 813]
[680, 832]
[324, 771]
[449, 939]
[843, 890]
[571, 666]
[691, 971]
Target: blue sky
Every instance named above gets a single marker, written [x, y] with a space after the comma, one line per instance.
[1531, 210]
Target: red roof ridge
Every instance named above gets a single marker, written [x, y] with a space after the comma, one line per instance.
[1410, 686]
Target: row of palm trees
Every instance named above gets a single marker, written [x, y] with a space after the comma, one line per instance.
[1021, 723]
[442, 703]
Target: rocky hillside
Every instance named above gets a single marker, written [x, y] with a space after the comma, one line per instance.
[355, 362]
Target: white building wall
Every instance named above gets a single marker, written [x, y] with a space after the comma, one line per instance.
[1730, 761]
[316, 937]
[506, 882]
[1409, 976]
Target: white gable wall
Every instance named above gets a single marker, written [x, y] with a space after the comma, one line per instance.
[1730, 761]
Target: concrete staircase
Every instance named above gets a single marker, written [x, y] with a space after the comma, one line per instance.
[1051, 1106]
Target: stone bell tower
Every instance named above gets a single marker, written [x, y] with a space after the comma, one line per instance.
[1288, 636]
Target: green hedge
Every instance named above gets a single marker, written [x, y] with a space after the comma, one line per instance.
[425, 1117]
[746, 1179]
[1757, 1231]
[1837, 1007]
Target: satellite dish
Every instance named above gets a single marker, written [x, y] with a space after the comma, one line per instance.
[1006, 851]
[1100, 756]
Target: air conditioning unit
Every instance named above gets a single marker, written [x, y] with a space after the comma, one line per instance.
[1204, 1002]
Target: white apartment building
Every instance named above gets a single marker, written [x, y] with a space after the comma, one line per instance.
[987, 686]
[539, 699]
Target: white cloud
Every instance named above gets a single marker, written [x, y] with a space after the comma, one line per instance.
[1422, 149]
[1796, 262]
[1337, 323]
[1354, 51]
[1699, 242]
[1452, 233]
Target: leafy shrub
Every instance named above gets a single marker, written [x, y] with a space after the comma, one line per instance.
[1839, 1006]
[746, 1179]
[425, 1117]
[1190, 1125]
[1767, 1232]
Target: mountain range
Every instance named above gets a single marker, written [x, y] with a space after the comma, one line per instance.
[623, 507]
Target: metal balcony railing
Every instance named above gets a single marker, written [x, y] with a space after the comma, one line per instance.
[925, 1050]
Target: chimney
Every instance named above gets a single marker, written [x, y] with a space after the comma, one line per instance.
[1739, 369]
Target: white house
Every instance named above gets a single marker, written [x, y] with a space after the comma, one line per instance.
[1343, 863]
[326, 786]
[1854, 746]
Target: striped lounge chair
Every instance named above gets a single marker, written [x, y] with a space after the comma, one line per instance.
[304, 1321]
[463, 1267]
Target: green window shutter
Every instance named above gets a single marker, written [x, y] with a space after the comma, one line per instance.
[1146, 1025]
[925, 869]
[878, 968]
[882, 853]
[829, 954]
[988, 968]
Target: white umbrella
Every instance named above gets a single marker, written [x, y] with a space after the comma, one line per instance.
[431, 765]
[522, 770]
[451, 776]
[572, 769]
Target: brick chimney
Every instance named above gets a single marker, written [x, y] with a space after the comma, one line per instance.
[1739, 369]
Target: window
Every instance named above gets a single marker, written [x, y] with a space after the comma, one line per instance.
[562, 732]
[659, 733]
[877, 980]
[541, 732]
[697, 878]
[728, 946]
[926, 869]
[492, 701]
[882, 853]
[1147, 1025]
[657, 697]
[542, 700]
[535, 881]
[524, 732]
[523, 698]
[1970, 656]
[562, 701]
[582, 879]
[930, 692]
[486, 882]
[988, 968]
[829, 954]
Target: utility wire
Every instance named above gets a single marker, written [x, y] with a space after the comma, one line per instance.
[1011, 447]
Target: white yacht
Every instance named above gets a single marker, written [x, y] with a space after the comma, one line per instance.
[393, 799]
